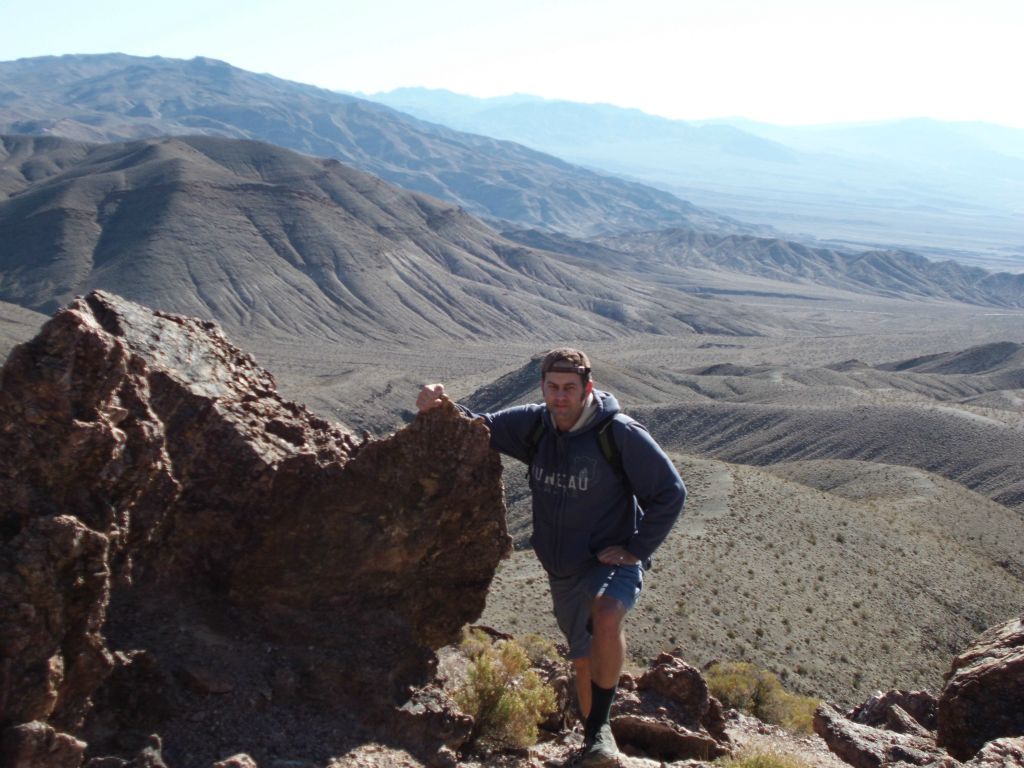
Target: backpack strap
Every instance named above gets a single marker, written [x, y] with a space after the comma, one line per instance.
[610, 450]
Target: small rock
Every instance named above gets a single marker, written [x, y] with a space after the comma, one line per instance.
[38, 745]
[241, 760]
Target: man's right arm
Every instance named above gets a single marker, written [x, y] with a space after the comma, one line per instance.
[510, 428]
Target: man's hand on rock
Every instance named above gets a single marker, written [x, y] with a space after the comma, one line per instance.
[617, 556]
[431, 396]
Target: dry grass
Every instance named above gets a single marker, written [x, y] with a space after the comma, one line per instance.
[763, 759]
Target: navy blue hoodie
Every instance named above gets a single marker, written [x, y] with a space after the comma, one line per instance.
[580, 506]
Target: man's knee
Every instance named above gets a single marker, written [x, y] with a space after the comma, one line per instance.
[607, 614]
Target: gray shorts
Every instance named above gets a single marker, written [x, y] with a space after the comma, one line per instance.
[573, 597]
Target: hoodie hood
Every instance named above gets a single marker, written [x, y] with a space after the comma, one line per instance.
[600, 407]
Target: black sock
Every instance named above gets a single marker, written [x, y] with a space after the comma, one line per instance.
[600, 710]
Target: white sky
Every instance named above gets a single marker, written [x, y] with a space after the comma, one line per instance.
[780, 61]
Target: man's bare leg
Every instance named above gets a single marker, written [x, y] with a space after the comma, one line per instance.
[607, 653]
[603, 667]
[608, 650]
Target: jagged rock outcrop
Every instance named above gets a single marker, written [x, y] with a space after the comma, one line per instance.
[983, 698]
[54, 592]
[171, 527]
[240, 760]
[999, 753]
[863, 746]
[890, 710]
[978, 718]
[431, 721]
[668, 714]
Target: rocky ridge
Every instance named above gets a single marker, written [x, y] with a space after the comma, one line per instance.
[978, 718]
[672, 255]
[173, 529]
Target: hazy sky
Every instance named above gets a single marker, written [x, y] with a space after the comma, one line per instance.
[782, 61]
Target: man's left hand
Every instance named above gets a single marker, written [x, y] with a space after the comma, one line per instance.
[617, 556]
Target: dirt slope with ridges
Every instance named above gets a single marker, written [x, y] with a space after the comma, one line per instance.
[1000, 357]
[17, 325]
[982, 453]
[672, 255]
[271, 242]
[765, 414]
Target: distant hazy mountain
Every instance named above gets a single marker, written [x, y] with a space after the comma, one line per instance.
[924, 142]
[271, 242]
[947, 189]
[589, 132]
[117, 97]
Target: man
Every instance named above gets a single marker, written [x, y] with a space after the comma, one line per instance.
[604, 497]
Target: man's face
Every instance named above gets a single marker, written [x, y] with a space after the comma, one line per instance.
[564, 394]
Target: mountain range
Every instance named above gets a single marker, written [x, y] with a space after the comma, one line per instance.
[943, 189]
[268, 241]
[271, 242]
[115, 97]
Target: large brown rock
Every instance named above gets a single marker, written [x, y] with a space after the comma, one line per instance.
[158, 495]
[983, 698]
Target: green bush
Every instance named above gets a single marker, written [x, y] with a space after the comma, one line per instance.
[474, 642]
[756, 759]
[756, 691]
[505, 697]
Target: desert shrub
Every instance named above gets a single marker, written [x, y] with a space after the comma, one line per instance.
[756, 691]
[474, 642]
[539, 650]
[759, 759]
[505, 697]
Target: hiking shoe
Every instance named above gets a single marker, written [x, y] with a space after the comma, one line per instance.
[602, 752]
